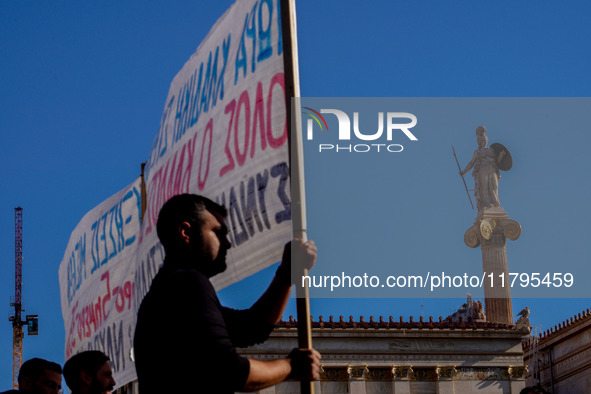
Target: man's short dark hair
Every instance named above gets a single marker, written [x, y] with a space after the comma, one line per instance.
[35, 368]
[183, 208]
[90, 362]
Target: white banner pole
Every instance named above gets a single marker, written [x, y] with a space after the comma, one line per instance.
[298, 200]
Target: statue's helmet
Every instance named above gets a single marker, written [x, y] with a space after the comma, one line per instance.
[480, 130]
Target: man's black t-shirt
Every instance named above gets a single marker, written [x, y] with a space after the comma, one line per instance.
[185, 340]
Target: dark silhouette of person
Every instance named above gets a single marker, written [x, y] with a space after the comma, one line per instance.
[89, 372]
[185, 340]
[39, 376]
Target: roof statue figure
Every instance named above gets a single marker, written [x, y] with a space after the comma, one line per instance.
[485, 164]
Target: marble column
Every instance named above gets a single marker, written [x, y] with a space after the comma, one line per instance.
[401, 376]
[445, 379]
[517, 376]
[491, 234]
[357, 377]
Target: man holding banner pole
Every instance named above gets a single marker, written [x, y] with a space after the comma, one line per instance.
[185, 339]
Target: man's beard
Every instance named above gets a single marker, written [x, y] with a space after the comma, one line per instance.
[218, 265]
[97, 388]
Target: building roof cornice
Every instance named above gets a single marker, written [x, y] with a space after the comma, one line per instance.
[381, 323]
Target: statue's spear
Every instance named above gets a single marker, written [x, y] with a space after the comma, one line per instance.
[460, 168]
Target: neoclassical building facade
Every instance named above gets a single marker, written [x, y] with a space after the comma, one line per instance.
[559, 359]
[397, 356]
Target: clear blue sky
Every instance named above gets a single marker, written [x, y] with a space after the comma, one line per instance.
[83, 87]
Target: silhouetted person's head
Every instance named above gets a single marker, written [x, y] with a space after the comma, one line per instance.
[193, 228]
[38, 376]
[89, 373]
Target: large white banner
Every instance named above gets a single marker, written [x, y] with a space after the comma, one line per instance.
[223, 134]
[96, 281]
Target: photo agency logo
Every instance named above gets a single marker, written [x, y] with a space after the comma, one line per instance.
[359, 141]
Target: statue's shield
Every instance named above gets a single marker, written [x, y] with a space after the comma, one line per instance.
[507, 161]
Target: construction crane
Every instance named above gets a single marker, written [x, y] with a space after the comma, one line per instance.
[15, 317]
